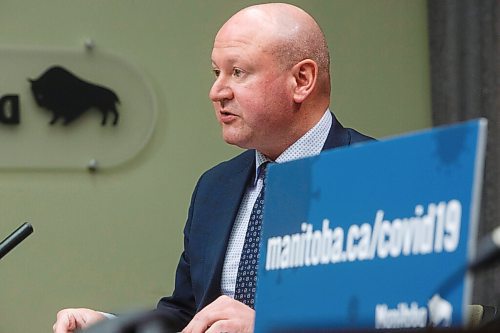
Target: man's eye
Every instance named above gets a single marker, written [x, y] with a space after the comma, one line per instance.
[216, 72]
[237, 72]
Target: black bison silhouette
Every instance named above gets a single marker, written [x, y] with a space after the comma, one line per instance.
[68, 97]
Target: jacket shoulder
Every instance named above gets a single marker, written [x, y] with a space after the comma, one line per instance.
[356, 136]
[340, 136]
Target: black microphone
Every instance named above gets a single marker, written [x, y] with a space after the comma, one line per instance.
[488, 250]
[15, 238]
[139, 322]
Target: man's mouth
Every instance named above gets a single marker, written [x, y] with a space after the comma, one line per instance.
[226, 116]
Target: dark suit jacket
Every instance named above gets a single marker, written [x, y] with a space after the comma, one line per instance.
[214, 205]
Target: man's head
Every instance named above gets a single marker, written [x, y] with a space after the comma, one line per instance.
[272, 82]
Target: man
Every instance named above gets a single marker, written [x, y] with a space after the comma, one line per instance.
[271, 96]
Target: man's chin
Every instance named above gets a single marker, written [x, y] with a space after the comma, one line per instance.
[235, 141]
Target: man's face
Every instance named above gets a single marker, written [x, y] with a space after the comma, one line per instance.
[251, 93]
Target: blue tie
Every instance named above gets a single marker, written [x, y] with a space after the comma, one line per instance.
[246, 279]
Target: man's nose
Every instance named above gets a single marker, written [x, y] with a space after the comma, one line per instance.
[220, 91]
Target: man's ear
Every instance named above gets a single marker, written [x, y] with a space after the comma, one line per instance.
[305, 74]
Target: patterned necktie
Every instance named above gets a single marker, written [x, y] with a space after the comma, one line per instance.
[246, 279]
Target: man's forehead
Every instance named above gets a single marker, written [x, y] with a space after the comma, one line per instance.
[228, 54]
[237, 47]
[237, 36]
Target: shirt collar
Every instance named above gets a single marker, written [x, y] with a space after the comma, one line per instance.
[310, 144]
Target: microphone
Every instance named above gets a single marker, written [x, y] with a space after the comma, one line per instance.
[140, 322]
[488, 250]
[15, 238]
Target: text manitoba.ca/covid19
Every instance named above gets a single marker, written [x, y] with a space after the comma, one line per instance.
[432, 231]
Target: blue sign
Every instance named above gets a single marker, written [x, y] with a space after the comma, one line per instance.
[377, 235]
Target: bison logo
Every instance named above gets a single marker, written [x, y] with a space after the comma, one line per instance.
[68, 96]
[440, 311]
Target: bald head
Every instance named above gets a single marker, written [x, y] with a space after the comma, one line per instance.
[272, 78]
[285, 31]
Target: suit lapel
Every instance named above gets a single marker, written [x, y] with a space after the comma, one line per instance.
[224, 208]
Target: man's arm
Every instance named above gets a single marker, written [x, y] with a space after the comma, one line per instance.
[181, 306]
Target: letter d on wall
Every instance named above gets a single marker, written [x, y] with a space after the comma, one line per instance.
[9, 109]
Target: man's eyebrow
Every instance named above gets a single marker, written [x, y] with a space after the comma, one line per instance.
[230, 61]
[214, 64]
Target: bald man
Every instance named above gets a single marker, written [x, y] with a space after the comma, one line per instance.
[271, 96]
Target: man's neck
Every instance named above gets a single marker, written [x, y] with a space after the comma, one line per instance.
[307, 145]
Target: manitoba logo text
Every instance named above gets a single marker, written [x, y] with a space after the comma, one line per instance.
[438, 313]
